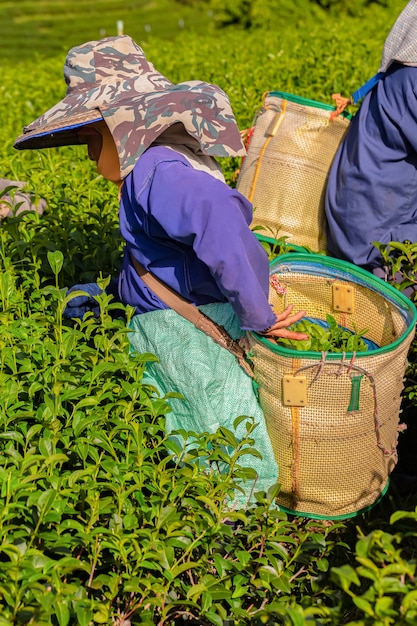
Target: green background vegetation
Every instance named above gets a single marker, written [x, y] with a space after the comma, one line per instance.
[99, 523]
[54, 26]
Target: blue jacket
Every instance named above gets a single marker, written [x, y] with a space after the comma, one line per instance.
[372, 188]
[192, 231]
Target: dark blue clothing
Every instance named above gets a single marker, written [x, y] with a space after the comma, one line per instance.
[372, 189]
[191, 230]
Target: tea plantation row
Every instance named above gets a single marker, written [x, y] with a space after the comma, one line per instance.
[99, 522]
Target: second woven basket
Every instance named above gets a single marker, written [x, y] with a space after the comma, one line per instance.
[286, 169]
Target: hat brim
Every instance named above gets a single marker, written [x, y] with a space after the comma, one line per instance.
[57, 134]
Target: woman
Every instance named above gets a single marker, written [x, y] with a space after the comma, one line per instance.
[180, 221]
[372, 189]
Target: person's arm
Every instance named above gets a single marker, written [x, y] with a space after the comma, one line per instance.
[196, 209]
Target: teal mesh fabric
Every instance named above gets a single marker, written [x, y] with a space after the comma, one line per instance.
[215, 388]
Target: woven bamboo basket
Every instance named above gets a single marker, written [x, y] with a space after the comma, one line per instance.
[333, 419]
[285, 171]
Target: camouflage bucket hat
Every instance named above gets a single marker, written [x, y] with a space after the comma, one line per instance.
[111, 79]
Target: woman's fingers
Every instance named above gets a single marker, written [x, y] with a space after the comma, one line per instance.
[285, 319]
[290, 319]
[284, 333]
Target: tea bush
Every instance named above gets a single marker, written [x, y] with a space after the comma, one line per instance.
[263, 14]
[326, 336]
[104, 519]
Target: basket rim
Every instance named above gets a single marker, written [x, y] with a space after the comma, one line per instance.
[374, 282]
[290, 97]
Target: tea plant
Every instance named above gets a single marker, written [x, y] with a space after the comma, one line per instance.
[400, 259]
[104, 518]
[381, 585]
[326, 338]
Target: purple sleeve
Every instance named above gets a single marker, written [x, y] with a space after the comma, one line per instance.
[195, 208]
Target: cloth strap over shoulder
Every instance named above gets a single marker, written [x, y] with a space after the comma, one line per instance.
[192, 314]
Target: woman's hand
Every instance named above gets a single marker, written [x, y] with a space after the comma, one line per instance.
[280, 328]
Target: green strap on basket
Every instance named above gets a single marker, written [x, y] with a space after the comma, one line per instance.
[355, 393]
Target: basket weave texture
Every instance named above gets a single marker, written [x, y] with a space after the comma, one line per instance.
[335, 456]
[285, 175]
